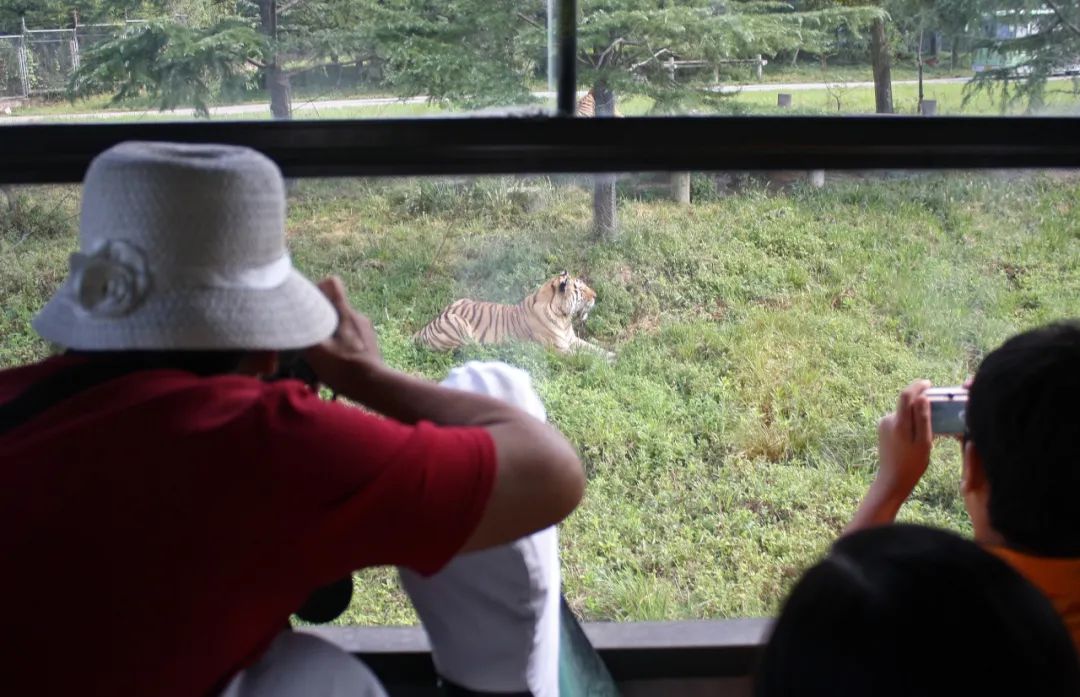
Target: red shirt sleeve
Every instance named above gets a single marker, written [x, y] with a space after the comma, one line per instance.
[359, 490]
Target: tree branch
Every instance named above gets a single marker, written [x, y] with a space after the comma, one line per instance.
[319, 66]
[523, 17]
[607, 51]
[650, 59]
[284, 7]
[258, 64]
[1062, 18]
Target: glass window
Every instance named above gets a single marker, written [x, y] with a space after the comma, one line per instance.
[762, 323]
[355, 59]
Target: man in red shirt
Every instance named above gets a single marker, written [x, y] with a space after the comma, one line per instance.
[164, 509]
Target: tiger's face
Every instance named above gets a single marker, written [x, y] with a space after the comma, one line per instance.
[573, 296]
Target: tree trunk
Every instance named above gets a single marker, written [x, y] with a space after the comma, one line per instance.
[605, 220]
[277, 80]
[918, 61]
[879, 56]
[954, 58]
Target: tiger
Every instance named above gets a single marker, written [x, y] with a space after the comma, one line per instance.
[586, 106]
[545, 317]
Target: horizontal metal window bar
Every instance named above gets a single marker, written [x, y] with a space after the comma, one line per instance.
[546, 144]
[631, 650]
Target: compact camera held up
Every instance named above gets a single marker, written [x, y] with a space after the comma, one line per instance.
[947, 405]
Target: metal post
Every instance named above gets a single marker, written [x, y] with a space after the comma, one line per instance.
[74, 49]
[567, 57]
[24, 68]
[552, 51]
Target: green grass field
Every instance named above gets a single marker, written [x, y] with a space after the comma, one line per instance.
[1063, 97]
[759, 336]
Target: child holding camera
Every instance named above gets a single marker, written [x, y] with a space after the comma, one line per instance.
[1021, 472]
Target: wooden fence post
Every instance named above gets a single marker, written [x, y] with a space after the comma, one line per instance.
[680, 187]
[605, 220]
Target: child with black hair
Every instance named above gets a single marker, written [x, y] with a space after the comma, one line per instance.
[904, 610]
[1021, 468]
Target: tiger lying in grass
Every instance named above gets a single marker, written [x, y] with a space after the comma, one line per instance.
[545, 317]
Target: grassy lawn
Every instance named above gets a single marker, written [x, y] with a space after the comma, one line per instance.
[1063, 98]
[759, 336]
[782, 71]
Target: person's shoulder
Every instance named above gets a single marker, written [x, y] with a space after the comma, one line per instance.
[15, 379]
[271, 394]
[289, 399]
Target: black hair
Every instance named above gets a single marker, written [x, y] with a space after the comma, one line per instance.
[203, 363]
[904, 610]
[1022, 416]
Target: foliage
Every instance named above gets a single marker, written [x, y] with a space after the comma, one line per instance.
[50, 14]
[192, 61]
[472, 52]
[623, 44]
[171, 63]
[1052, 46]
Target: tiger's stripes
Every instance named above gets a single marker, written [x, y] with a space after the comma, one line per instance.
[546, 317]
[586, 106]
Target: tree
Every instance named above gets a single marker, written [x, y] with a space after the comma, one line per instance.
[881, 64]
[624, 46]
[1042, 38]
[49, 14]
[171, 63]
[264, 42]
[474, 53]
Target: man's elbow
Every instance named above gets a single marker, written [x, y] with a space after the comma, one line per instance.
[562, 482]
[571, 485]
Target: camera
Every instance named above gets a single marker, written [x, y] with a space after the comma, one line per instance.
[292, 365]
[947, 405]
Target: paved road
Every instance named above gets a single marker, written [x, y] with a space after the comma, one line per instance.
[314, 106]
[234, 110]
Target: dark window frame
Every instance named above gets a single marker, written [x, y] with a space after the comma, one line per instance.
[558, 143]
[553, 144]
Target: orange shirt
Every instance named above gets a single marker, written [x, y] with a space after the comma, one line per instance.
[1057, 578]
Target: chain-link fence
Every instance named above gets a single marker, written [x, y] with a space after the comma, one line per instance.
[51, 58]
[12, 68]
[42, 61]
[89, 36]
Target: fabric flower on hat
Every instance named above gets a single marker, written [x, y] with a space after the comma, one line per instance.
[112, 280]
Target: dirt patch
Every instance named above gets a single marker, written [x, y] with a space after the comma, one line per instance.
[644, 324]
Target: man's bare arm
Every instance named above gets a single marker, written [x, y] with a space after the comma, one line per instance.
[539, 478]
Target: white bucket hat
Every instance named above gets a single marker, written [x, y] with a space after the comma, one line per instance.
[183, 247]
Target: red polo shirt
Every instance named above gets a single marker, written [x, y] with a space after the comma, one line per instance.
[157, 530]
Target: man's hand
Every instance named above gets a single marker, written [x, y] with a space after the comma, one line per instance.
[904, 442]
[353, 344]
